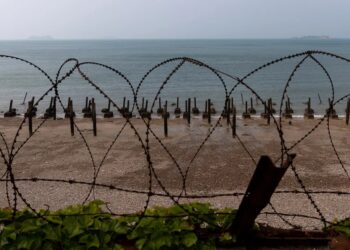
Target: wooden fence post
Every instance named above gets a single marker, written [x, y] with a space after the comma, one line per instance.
[71, 116]
[30, 117]
[189, 111]
[177, 110]
[261, 187]
[93, 109]
[234, 121]
[347, 112]
[228, 111]
[165, 117]
[54, 108]
[209, 111]
[195, 109]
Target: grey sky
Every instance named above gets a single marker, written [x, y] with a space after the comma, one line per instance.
[113, 19]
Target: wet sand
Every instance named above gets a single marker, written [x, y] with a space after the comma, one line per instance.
[221, 166]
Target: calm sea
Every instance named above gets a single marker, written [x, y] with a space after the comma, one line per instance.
[134, 58]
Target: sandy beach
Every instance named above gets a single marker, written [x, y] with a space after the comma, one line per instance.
[221, 166]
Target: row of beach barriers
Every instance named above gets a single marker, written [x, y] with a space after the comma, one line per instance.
[125, 110]
[89, 111]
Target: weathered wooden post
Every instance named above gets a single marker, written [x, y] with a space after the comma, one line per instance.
[11, 112]
[212, 108]
[227, 110]
[189, 111]
[209, 111]
[123, 110]
[145, 113]
[261, 187]
[86, 109]
[166, 117]
[309, 112]
[251, 110]
[24, 99]
[29, 115]
[319, 98]
[67, 110]
[269, 111]
[160, 109]
[49, 111]
[287, 112]
[205, 113]
[242, 98]
[331, 111]
[234, 121]
[51, 104]
[185, 114]
[347, 111]
[195, 110]
[266, 107]
[177, 110]
[93, 110]
[54, 108]
[107, 112]
[10, 108]
[126, 113]
[70, 113]
[34, 108]
[246, 114]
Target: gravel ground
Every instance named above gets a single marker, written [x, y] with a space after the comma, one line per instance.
[221, 166]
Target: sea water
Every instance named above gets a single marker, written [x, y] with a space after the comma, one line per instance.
[134, 58]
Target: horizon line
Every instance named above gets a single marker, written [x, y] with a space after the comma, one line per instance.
[115, 39]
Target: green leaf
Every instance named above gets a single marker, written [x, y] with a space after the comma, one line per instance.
[140, 243]
[90, 240]
[117, 247]
[48, 246]
[343, 229]
[206, 245]
[54, 219]
[121, 228]
[5, 214]
[161, 240]
[51, 233]
[93, 207]
[25, 242]
[85, 220]
[189, 239]
[30, 225]
[106, 238]
[225, 237]
[72, 227]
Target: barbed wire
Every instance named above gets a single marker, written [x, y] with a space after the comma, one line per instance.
[11, 150]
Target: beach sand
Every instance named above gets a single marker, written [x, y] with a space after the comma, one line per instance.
[221, 166]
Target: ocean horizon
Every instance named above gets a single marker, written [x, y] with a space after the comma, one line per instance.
[134, 57]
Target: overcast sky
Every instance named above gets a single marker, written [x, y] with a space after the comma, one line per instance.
[113, 19]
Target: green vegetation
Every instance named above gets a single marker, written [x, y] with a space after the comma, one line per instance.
[88, 227]
[342, 227]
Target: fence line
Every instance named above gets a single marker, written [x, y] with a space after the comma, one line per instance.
[10, 151]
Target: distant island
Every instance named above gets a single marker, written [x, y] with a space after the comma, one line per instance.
[40, 38]
[313, 37]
